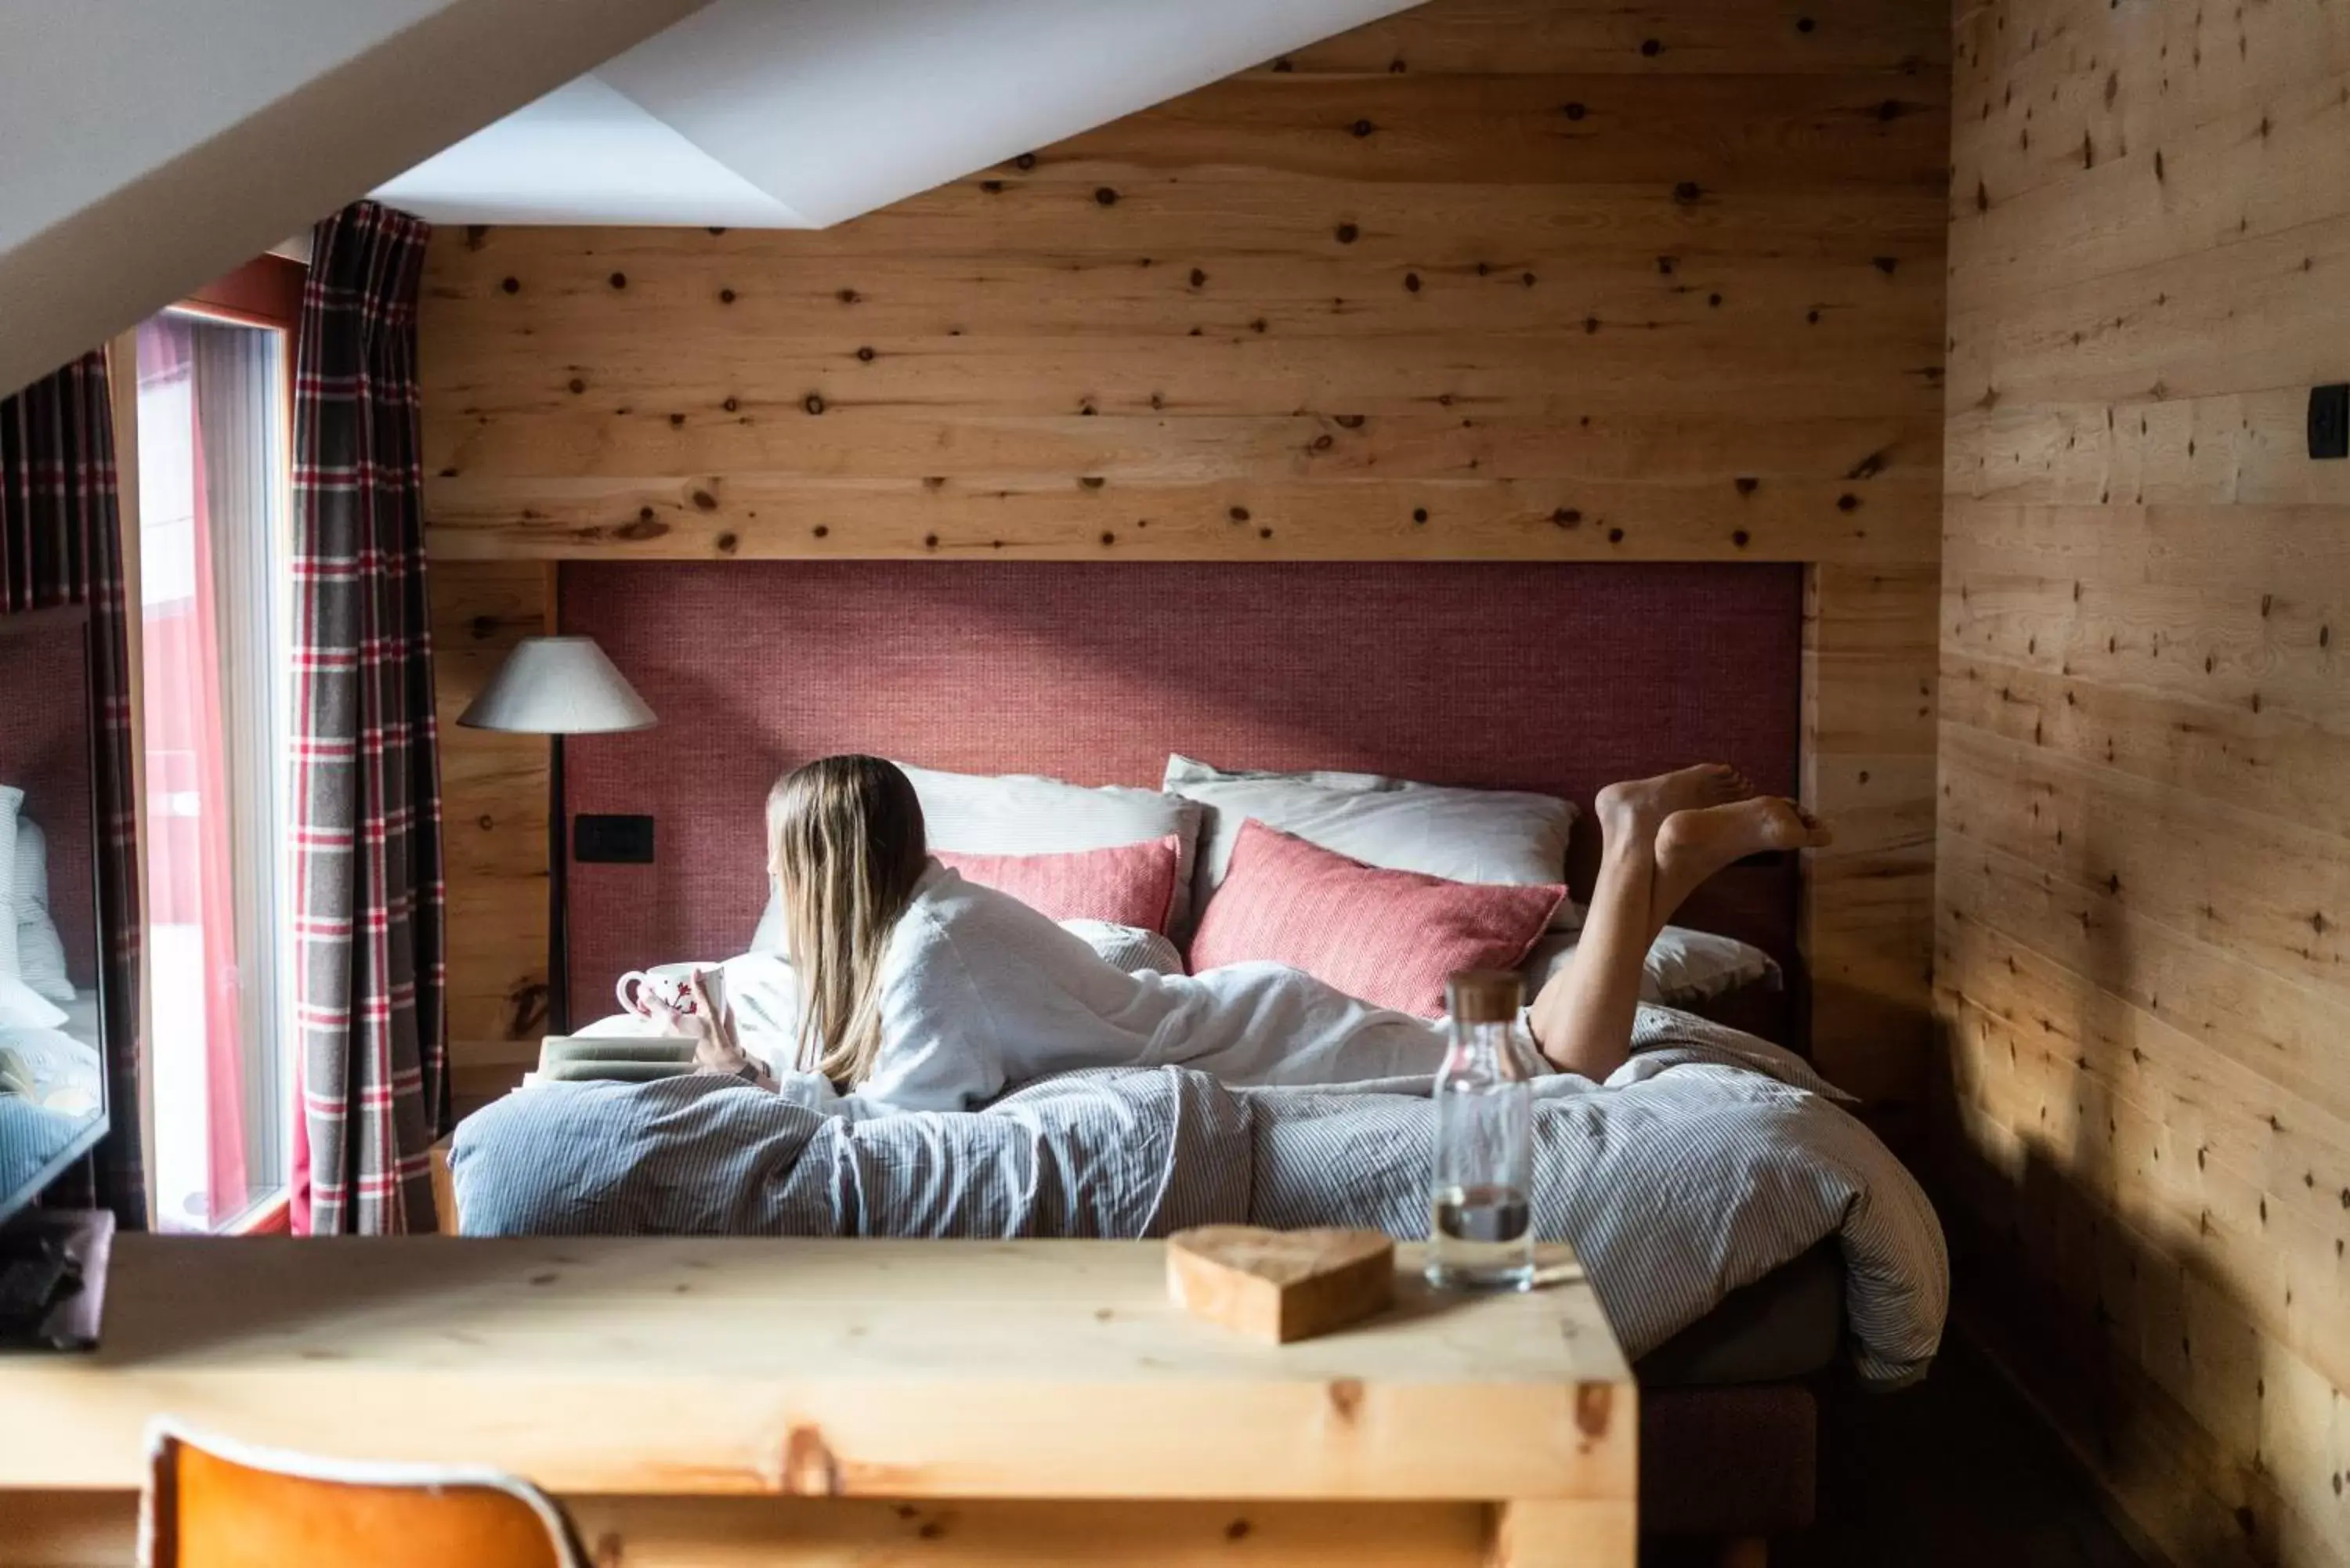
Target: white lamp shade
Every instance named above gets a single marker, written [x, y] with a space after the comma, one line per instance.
[557, 686]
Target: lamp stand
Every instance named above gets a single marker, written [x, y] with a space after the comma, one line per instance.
[558, 904]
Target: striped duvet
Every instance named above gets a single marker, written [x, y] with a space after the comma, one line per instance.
[1706, 1161]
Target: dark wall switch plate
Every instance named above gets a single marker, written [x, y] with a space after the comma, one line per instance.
[612, 840]
[2329, 420]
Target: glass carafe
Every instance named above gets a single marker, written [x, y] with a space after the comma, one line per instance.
[1480, 1216]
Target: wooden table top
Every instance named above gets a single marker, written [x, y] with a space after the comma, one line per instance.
[863, 1368]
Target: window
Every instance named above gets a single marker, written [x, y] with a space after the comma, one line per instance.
[215, 503]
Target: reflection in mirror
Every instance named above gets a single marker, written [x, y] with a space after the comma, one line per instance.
[52, 1077]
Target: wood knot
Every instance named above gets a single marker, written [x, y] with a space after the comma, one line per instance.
[813, 402]
[1347, 234]
[511, 285]
[1346, 1395]
[732, 406]
[1348, 422]
[1869, 467]
[1091, 481]
[728, 544]
[1362, 127]
[809, 1468]
[1239, 513]
[1024, 162]
[848, 296]
[725, 297]
[1594, 1407]
[619, 280]
[641, 530]
[1198, 277]
[1747, 485]
[1567, 517]
[578, 386]
[704, 502]
[1575, 111]
[1651, 47]
[1847, 502]
[1411, 282]
[1105, 196]
[865, 354]
[1420, 514]
[1689, 193]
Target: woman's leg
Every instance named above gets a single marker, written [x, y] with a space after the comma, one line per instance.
[1583, 1019]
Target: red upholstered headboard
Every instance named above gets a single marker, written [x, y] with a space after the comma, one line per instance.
[44, 752]
[1542, 676]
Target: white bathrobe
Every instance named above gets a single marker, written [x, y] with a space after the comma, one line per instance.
[980, 994]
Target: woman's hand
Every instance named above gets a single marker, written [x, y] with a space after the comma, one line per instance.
[716, 1048]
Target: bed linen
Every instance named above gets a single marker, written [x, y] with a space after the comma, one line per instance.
[1705, 1162]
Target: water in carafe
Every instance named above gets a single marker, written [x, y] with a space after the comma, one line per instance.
[1480, 1220]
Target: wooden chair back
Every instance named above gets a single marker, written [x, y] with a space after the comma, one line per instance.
[214, 1504]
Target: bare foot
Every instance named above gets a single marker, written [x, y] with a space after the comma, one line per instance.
[1637, 804]
[1693, 845]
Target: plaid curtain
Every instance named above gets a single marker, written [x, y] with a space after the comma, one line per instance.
[61, 544]
[370, 970]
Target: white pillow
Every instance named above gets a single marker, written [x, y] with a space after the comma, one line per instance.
[1684, 967]
[22, 1007]
[1022, 813]
[1462, 835]
[40, 950]
[11, 800]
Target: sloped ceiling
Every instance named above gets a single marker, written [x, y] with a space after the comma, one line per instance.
[147, 147]
[803, 113]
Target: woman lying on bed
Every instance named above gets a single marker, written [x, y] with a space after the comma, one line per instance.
[922, 992]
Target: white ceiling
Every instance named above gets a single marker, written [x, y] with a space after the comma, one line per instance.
[803, 113]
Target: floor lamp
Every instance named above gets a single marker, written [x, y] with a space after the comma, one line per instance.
[557, 686]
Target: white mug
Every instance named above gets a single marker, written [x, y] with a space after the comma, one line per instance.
[662, 993]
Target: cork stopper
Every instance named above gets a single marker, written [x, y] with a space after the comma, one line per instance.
[1482, 995]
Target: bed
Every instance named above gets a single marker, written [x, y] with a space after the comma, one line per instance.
[1550, 678]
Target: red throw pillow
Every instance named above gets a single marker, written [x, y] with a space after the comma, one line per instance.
[1388, 937]
[1126, 885]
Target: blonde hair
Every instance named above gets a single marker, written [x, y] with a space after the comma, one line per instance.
[846, 844]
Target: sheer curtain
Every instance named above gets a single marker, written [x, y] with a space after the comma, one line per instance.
[211, 460]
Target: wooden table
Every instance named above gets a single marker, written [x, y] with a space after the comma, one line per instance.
[738, 1401]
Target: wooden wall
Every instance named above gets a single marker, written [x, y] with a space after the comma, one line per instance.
[2145, 825]
[1530, 279]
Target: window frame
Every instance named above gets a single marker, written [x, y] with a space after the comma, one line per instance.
[264, 293]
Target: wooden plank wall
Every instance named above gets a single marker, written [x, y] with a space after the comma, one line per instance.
[2145, 825]
[1527, 279]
